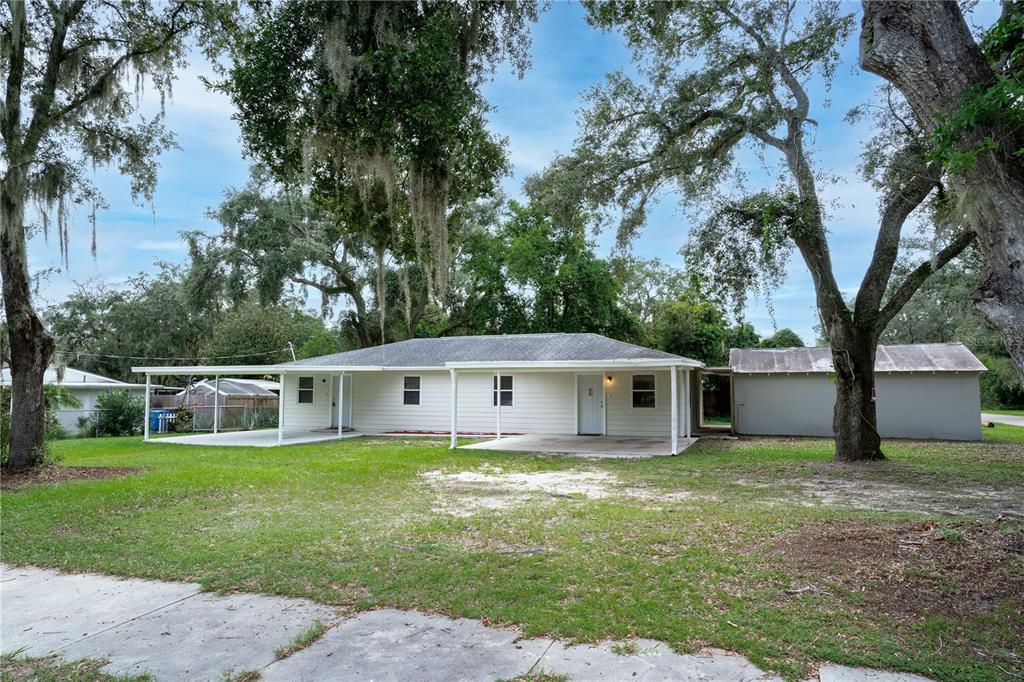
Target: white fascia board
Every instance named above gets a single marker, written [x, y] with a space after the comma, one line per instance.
[576, 364]
[209, 370]
[213, 370]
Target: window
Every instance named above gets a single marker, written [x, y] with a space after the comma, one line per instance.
[506, 391]
[643, 390]
[305, 389]
[411, 391]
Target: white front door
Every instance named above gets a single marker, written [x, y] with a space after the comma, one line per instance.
[590, 397]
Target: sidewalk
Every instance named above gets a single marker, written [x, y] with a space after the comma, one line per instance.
[176, 632]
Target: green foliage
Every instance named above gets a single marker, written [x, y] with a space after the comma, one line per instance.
[693, 330]
[119, 413]
[56, 397]
[1000, 385]
[153, 316]
[321, 342]
[388, 127]
[784, 338]
[538, 273]
[994, 106]
[262, 333]
[744, 246]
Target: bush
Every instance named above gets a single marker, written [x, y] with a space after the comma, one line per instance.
[1000, 385]
[120, 413]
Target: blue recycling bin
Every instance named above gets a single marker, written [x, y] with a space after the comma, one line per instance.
[158, 420]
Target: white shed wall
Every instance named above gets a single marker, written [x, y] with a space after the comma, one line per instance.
[944, 405]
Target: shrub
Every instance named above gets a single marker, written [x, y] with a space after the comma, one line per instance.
[1000, 385]
[120, 413]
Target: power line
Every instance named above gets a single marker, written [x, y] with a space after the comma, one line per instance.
[191, 359]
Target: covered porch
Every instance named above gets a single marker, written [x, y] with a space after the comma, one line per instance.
[613, 447]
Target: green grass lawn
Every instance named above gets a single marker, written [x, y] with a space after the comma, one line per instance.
[760, 546]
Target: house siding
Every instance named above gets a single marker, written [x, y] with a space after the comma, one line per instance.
[307, 416]
[944, 405]
[626, 420]
[544, 403]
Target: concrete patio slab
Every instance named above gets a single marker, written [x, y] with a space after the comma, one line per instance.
[401, 646]
[262, 438]
[583, 446]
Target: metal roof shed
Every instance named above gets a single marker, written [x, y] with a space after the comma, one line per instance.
[923, 391]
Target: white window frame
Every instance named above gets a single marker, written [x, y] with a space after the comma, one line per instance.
[418, 390]
[311, 390]
[633, 391]
[496, 389]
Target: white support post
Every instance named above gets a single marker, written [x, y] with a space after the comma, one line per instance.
[674, 383]
[280, 413]
[497, 399]
[454, 406]
[341, 403]
[689, 404]
[216, 404]
[145, 427]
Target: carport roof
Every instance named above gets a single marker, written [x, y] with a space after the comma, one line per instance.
[918, 357]
[495, 350]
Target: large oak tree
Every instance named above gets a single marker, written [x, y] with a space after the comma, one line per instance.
[968, 96]
[720, 75]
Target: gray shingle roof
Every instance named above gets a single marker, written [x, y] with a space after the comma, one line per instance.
[525, 348]
[919, 357]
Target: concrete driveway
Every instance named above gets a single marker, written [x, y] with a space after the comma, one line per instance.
[1011, 419]
[173, 631]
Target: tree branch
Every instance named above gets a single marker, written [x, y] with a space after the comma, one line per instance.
[921, 273]
[887, 243]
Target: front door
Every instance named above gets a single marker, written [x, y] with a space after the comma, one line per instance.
[591, 404]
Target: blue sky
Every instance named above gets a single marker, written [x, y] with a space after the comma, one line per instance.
[537, 114]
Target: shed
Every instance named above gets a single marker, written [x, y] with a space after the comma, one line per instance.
[922, 391]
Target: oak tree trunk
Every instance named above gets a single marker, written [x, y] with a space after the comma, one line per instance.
[31, 346]
[926, 50]
[854, 419]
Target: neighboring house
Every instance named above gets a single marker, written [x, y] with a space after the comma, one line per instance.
[922, 391]
[519, 384]
[85, 386]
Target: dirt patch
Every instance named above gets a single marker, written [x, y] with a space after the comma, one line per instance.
[466, 493]
[961, 571]
[856, 488]
[57, 474]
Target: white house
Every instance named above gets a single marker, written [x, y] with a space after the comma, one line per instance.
[548, 384]
[85, 386]
[922, 391]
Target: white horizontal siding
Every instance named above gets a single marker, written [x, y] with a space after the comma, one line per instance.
[307, 416]
[377, 402]
[625, 420]
[544, 402]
